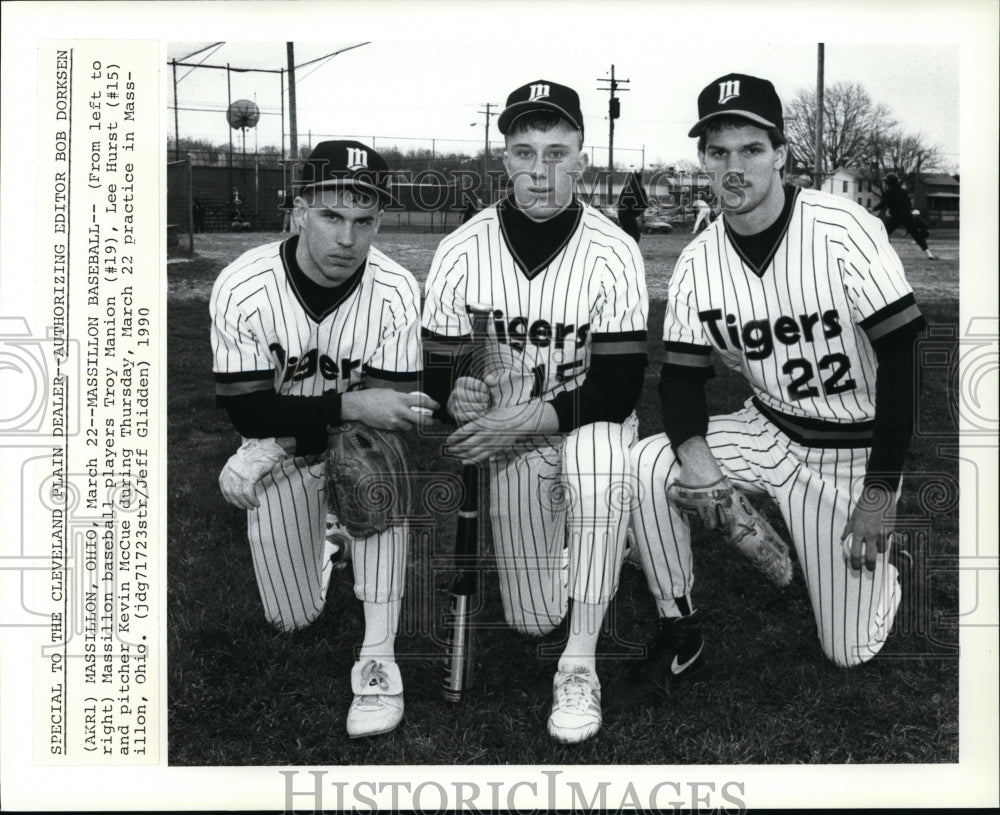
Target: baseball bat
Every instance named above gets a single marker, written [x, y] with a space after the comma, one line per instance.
[460, 657]
[461, 634]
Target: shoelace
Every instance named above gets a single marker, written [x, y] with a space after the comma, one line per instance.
[374, 674]
[575, 693]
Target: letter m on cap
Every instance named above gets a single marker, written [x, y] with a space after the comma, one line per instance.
[728, 90]
[538, 91]
[356, 158]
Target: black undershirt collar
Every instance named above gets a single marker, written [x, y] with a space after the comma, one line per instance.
[534, 244]
[318, 301]
[758, 250]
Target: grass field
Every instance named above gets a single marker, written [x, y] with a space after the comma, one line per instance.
[242, 694]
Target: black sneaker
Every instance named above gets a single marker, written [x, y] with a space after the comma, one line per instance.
[675, 654]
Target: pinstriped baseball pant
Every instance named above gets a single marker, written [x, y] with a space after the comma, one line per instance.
[291, 558]
[559, 515]
[815, 489]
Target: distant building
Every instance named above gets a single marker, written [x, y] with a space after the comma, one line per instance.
[937, 196]
[853, 185]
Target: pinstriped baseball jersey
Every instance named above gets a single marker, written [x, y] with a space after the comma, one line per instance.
[590, 299]
[800, 328]
[265, 337]
[800, 331]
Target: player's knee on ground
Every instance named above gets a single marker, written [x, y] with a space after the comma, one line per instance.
[850, 652]
[290, 621]
[531, 624]
[853, 657]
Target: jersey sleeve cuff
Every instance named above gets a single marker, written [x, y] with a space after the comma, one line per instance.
[898, 318]
[395, 380]
[618, 343]
[686, 360]
[241, 382]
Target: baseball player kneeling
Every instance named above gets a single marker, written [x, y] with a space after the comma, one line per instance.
[565, 293]
[310, 333]
[800, 292]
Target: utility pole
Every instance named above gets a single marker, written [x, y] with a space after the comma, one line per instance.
[177, 138]
[614, 111]
[818, 149]
[486, 151]
[229, 101]
[293, 125]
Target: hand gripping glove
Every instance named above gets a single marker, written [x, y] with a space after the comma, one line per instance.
[367, 478]
[720, 506]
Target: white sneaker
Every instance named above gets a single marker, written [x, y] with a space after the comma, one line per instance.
[576, 705]
[378, 698]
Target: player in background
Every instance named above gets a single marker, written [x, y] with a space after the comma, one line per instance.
[801, 293]
[632, 205]
[920, 224]
[569, 308]
[895, 209]
[306, 333]
[704, 214]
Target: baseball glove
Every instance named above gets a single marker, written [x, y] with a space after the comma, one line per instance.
[720, 506]
[367, 478]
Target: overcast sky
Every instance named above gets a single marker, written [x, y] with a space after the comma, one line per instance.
[416, 90]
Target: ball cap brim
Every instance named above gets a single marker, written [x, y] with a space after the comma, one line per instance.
[541, 95]
[347, 165]
[748, 97]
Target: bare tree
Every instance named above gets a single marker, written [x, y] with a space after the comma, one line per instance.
[851, 119]
[899, 153]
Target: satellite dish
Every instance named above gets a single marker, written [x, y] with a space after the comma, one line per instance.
[243, 114]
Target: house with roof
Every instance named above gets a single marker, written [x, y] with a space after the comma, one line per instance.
[854, 185]
[937, 196]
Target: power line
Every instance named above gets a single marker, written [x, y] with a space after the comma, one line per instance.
[209, 108]
[217, 47]
[332, 54]
[195, 53]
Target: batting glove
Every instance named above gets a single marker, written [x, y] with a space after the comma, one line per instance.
[248, 465]
[469, 400]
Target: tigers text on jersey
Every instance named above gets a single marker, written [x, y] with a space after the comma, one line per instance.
[265, 336]
[590, 298]
[801, 330]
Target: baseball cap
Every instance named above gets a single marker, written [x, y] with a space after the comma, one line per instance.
[541, 95]
[739, 95]
[347, 164]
